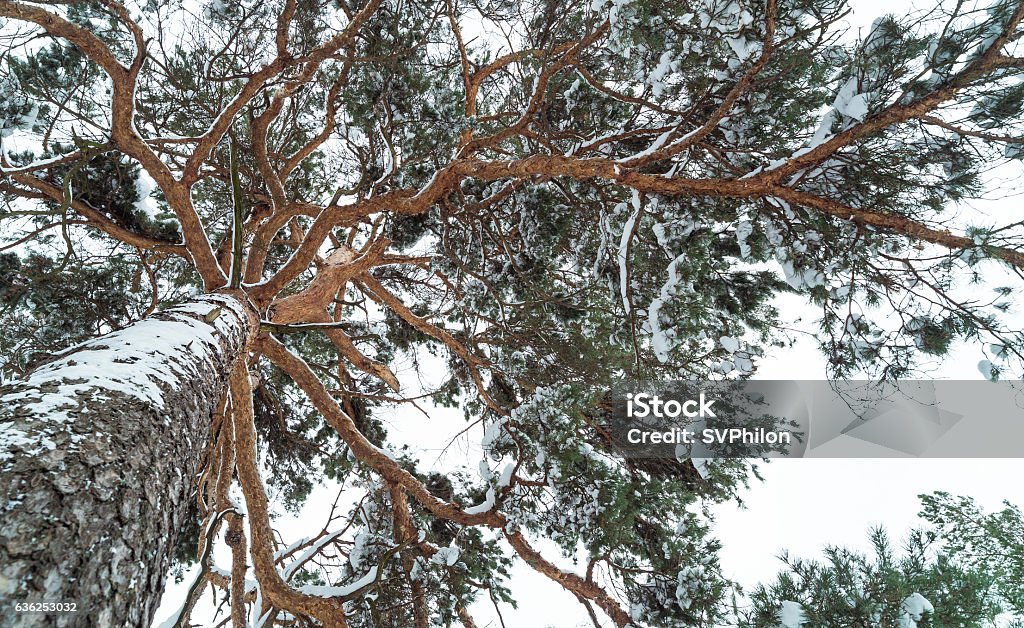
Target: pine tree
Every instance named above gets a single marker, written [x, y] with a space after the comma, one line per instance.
[963, 568]
[608, 192]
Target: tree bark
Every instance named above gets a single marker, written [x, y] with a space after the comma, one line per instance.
[98, 455]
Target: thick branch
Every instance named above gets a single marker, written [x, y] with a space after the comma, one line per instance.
[896, 113]
[258, 81]
[275, 589]
[379, 293]
[341, 266]
[364, 450]
[570, 581]
[123, 133]
[753, 187]
[91, 46]
[98, 219]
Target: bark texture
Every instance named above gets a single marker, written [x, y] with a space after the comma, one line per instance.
[98, 452]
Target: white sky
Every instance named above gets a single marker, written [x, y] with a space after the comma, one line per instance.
[802, 506]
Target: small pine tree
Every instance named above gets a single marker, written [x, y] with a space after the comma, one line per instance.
[963, 568]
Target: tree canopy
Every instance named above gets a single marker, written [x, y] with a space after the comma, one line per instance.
[536, 198]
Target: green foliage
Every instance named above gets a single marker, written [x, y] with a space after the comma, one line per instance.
[46, 307]
[111, 184]
[989, 541]
[966, 563]
[634, 518]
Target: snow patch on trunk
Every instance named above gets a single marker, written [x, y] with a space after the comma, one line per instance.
[138, 361]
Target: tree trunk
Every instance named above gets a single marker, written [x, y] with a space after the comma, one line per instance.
[98, 455]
